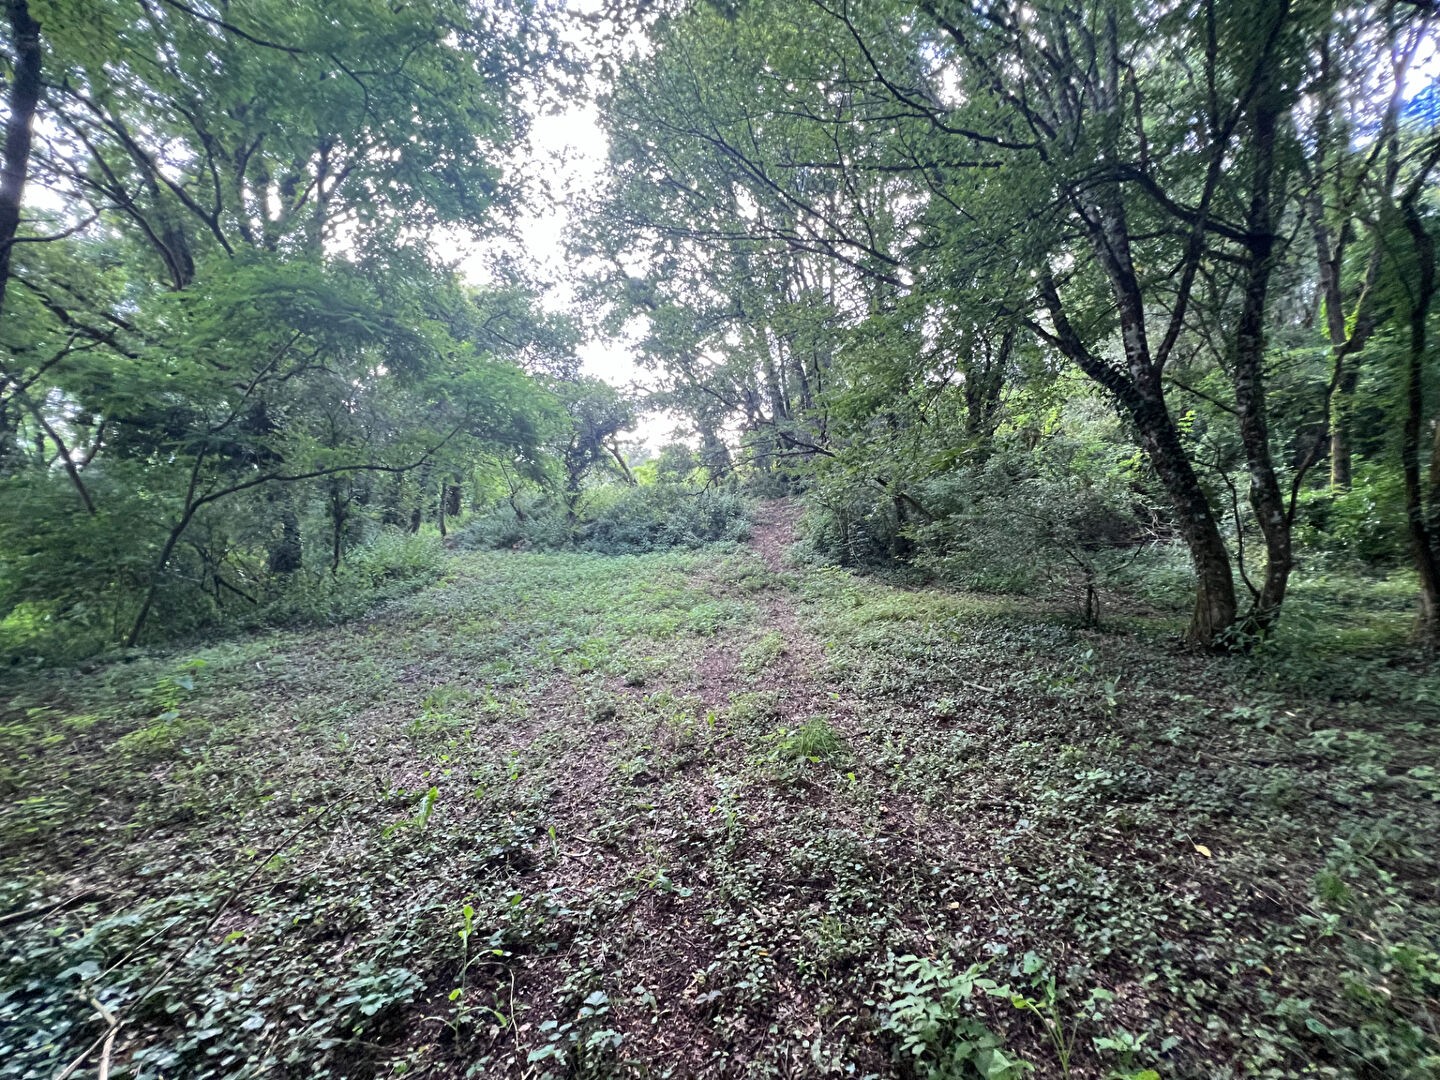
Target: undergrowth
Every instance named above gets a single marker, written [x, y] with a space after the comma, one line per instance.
[580, 815]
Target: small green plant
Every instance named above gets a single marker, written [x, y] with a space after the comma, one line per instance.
[581, 1042]
[458, 996]
[1044, 1005]
[754, 709]
[814, 740]
[760, 654]
[166, 695]
[932, 1018]
[438, 711]
[1126, 1045]
[421, 817]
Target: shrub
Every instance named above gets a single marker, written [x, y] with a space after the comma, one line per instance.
[617, 520]
[70, 581]
[1160, 574]
[849, 526]
[532, 522]
[389, 565]
[1024, 522]
[640, 519]
[1364, 523]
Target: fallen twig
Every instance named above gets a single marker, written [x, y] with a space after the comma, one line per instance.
[45, 909]
[112, 1026]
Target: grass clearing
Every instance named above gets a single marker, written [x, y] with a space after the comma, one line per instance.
[693, 815]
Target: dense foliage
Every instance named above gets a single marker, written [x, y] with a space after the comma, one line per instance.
[231, 355]
[888, 241]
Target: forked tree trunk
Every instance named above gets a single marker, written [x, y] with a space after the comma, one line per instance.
[1248, 377]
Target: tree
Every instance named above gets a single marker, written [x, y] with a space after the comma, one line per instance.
[597, 415]
[1121, 182]
[232, 320]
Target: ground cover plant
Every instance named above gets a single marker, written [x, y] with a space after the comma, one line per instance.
[702, 813]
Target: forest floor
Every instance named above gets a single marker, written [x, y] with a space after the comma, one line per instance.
[707, 814]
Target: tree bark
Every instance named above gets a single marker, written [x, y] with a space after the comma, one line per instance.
[339, 518]
[23, 101]
[1140, 392]
[1341, 471]
[1422, 539]
[1215, 610]
[1249, 379]
[287, 554]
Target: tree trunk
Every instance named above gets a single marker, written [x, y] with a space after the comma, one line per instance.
[153, 588]
[287, 553]
[1142, 395]
[983, 380]
[24, 99]
[1341, 472]
[1422, 540]
[1249, 380]
[1329, 254]
[614, 447]
[901, 546]
[339, 517]
[1215, 609]
[714, 454]
[393, 512]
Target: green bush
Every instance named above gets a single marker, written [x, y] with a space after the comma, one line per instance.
[633, 520]
[1364, 523]
[849, 525]
[391, 564]
[1032, 521]
[70, 581]
[534, 522]
[1160, 574]
[616, 520]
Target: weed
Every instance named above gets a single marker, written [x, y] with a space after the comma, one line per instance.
[421, 817]
[814, 740]
[930, 1013]
[762, 653]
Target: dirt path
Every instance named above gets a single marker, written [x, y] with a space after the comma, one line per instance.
[704, 837]
[797, 673]
[774, 532]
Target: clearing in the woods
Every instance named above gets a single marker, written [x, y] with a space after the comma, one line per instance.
[711, 814]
